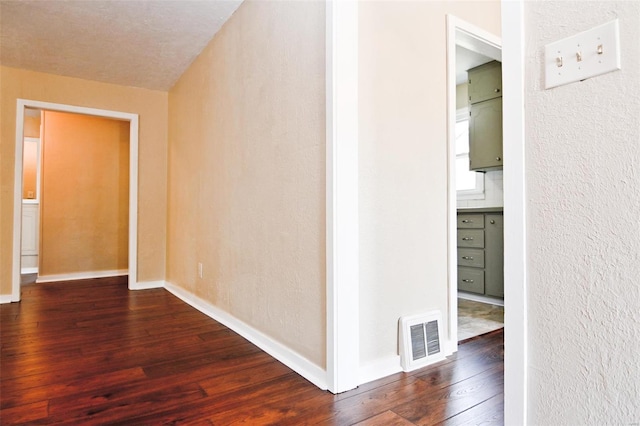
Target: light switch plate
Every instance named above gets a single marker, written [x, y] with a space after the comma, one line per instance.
[584, 55]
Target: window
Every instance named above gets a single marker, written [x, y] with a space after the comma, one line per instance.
[469, 185]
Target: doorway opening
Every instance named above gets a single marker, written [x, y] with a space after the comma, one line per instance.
[23, 106]
[475, 190]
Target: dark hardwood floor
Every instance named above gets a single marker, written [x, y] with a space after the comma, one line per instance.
[92, 352]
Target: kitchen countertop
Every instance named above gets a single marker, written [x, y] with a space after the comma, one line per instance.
[480, 209]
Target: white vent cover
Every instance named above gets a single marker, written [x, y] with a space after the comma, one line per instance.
[420, 340]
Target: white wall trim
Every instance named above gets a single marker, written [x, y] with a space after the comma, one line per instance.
[342, 233]
[474, 38]
[5, 298]
[146, 285]
[22, 104]
[282, 353]
[379, 369]
[33, 270]
[480, 298]
[81, 276]
[515, 236]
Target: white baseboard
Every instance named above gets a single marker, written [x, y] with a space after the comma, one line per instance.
[282, 353]
[379, 369]
[479, 298]
[145, 285]
[81, 276]
[6, 298]
[33, 270]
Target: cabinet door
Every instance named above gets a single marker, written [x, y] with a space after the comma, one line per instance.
[485, 135]
[29, 229]
[494, 255]
[485, 82]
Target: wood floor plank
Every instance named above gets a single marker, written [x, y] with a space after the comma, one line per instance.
[453, 399]
[93, 352]
[487, 413]
[24, 413]
[388, 418]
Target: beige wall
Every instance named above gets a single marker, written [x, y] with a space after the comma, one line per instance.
[583, 204]
[29, 169]
[31, 126]
[152, 108]
[30, 156]
[247, 173]
[462, 96]
[403, 162]
[85, 198]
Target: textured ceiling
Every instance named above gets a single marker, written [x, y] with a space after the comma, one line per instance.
[141, 43]
[465, 60]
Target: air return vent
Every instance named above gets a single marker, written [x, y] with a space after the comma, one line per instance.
[420, 340]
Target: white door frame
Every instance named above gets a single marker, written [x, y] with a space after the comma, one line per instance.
[22, 104]
[342, 235]
[515, 235]
[515, 358]
[469, 36]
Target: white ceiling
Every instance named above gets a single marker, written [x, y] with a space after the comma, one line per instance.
[142, 43]
[465, 60]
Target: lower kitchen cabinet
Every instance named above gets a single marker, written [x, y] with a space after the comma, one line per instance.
[481, 253]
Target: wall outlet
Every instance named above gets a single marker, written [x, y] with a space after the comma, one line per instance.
[200, 275]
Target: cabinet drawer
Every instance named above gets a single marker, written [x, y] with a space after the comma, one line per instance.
[471, 257]
[485, 82]
[472, 238]
[471, 279]
[470, 221]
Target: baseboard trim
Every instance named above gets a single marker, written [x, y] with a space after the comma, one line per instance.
[379, 369]
[146, 285]
[478, 298]
[33, 270]
[81, 276]
[285, 355]
[5, 298]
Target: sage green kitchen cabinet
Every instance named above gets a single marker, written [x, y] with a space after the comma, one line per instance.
[481, 253]
[485, 82]
[485, 122]
[494, 255]
[485, 136]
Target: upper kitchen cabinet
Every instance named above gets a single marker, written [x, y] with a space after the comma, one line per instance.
[485, 125]
[485, 82]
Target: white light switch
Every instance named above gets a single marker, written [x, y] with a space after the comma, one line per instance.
[584, 55]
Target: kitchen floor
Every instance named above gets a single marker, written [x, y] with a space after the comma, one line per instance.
[476, 318]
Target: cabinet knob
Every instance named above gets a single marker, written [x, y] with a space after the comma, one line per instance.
[467, 257]
[467, 221]
[467, 281]
[498, 159]
[467, 238]
[492, 221]
[497, 90]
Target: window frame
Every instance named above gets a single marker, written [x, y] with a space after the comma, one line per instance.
[477, 193]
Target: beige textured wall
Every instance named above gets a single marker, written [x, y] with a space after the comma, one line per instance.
[31, 126]
[403, 162]
[583, 204]
[150, 105]
[247, 173]
[84, 212]
[30, 156]
[462, 95]
[29, 169]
